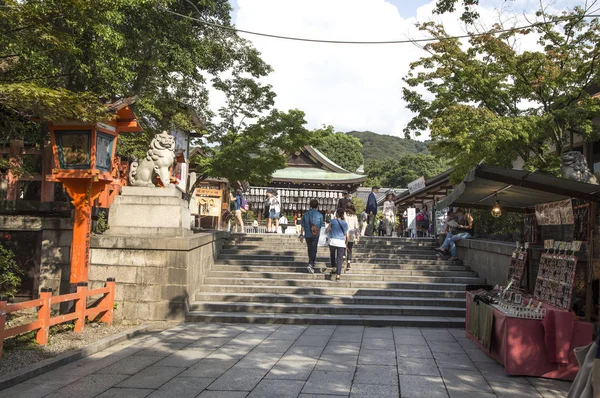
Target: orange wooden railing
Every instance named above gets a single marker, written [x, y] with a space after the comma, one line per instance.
[44, 320]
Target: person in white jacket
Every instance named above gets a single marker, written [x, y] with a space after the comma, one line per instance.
[353, 232]
[389, 212]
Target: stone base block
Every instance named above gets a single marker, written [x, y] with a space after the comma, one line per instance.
[155, 276]
[141, 211]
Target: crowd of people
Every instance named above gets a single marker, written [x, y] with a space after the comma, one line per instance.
[344, 227]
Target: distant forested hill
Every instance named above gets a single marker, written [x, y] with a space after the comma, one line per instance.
[382, 147]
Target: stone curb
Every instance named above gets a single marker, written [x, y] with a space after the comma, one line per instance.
[49, 364]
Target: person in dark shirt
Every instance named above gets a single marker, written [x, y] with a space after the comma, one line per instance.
[343, 202]
[371, 210]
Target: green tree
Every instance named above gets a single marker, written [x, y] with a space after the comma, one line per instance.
[253, 153]
[491, 102]
[469, 14]
[10, 273]
[398, 173]
[61, 59]
[381, 146]
[342, 149]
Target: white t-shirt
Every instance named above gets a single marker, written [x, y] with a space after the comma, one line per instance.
[283, 220]
[353, 226]
[274, 205]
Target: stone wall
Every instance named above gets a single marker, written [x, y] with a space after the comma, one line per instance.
[48, 265]
[155, 276]
[490, 259]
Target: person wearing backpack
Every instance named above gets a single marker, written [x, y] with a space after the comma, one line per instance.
[238, 201]
[311, 224]
[338, 237]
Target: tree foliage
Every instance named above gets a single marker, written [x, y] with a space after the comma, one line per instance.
[61, 59]
[381, 146]
[469, 14]
[342, 149]
[254, 153]
[10, 273]
[398, 173]
[491, 102]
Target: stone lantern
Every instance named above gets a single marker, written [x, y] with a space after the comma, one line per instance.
[83, 156]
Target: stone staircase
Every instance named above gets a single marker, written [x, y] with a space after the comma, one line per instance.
[393, 281]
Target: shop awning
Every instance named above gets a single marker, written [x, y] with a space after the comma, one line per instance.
[436, 187]
[516, 190]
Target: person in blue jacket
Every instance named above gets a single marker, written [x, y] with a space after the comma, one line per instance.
[311, 223]
[371, 210]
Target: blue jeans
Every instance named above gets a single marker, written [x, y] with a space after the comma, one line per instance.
[312, 243]
[451, 240]
[336, 255]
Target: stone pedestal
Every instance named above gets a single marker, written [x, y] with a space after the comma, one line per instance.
[149, 212]
[158, 262]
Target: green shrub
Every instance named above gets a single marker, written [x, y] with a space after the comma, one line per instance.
[10, 273]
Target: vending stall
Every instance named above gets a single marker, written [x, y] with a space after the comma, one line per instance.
[531, 324]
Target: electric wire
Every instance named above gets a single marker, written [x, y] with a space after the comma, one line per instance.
[406, 41]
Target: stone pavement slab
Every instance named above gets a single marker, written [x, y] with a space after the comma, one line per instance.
[271, 361]
[374, 391]
[324, 382]
[422, 387]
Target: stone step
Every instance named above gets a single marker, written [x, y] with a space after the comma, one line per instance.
[313, 309]
[359, 247]
[325, 281]
[363, 267]
[347, 276]
[281, 260]
[236, 297]
[332, 290]
[356, 270]
[302, 253]
[327, 319]
[284, 238]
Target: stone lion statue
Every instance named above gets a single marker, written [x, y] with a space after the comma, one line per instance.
[575, 167]
[159, 158]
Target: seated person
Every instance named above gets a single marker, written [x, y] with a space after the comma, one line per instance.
[461, 227]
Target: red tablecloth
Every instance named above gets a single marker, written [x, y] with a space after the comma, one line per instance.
[532, 347]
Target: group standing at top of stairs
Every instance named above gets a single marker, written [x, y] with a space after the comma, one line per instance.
[393, 281]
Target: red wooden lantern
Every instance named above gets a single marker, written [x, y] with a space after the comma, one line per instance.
[84, 156]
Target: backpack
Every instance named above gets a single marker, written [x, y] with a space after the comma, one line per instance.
[244, 204]
[420, 217]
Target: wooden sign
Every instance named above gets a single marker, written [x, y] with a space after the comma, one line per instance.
[416, 185]
[208, 192]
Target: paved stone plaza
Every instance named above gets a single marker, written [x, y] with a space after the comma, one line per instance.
[263, 361]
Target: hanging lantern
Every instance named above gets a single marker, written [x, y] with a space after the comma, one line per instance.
[496, 210]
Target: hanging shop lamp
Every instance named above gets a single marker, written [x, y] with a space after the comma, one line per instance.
[496, 210]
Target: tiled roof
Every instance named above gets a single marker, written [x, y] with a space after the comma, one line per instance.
[313, 174]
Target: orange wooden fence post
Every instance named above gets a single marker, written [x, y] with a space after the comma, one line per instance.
[109, 301]
[3, 304]
[44, 316]
[80, 306]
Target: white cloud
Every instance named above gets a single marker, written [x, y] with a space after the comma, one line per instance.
[352, 87]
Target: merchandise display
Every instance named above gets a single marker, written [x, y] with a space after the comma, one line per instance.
[556, 275]
[518, 264]
[530, 229]
[581, 226]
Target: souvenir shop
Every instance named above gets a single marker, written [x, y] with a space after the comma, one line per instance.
[546, 307]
